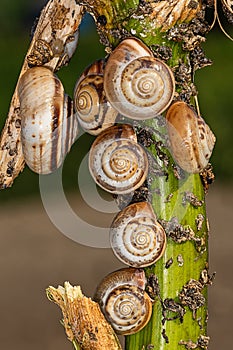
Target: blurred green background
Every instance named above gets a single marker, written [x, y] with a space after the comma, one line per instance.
[214, 84]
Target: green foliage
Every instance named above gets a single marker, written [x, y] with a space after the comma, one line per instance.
[215, 97]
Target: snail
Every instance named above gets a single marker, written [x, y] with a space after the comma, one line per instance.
[44, 50]
[191, 139]
[136, 237]
[48, 126]
[117, 162]
[137, 84]
[123, 300]
[93, 111]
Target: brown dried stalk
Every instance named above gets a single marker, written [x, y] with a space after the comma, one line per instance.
[84, 323]
[59, 20]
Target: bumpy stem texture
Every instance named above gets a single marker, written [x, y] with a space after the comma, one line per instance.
[178, 282]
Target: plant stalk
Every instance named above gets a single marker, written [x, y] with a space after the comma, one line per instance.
[178, 281]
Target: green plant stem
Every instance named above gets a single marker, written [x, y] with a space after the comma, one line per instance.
[179, 317]
[76, 345]
[188, 260]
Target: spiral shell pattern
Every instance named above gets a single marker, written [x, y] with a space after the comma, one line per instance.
[137, 84]
[136, 237]
[48, 126]
[123, 300]
[93, 111]
[191, 139]
[116, 162]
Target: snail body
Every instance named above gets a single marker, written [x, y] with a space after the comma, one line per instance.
[48, 126]
[117, 162]
[123, 300]
[45, 50]
[191, 139]
[137, 84]
[136, 237]
[93, 111]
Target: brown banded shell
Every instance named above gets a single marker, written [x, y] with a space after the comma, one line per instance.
[191, 139]
[48, 126]
[117, 162]
[123, 300]
[137, 84]
[136, 237]
[93, 111]
[96, 67]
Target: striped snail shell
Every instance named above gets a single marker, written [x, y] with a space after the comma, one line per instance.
[48, 126]
[117, 162]
[137, 84]
[136, 237]
[123, 300]
[93, 111]
[191, 139]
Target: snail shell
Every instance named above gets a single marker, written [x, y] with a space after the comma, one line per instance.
[93, 111]
[136, 237]
[137, 84]
[191, 139]
[123, 300]
[116, 162]
[48, 126]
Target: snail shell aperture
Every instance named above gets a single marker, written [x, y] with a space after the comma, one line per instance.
[191, 139]
[117, 162]
[93, 111]
[48, 126]
[136, 237]
[123, 300]
[137, 84]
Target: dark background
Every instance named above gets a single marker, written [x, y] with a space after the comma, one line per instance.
[34, 254]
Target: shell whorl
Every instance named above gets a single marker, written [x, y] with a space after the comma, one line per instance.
[117, 162]
[137, 84]
[93, 111]
[123, 300]
[48, 127]
[136, 237]
[191, 139]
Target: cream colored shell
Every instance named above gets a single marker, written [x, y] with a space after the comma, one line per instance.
[123, 300]
[117, 162]
[136, 237]
[137, 84]
[93, 111]
[48, 127]
[191, 139]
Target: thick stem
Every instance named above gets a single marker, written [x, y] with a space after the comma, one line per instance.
[180, 309]
[180, 278]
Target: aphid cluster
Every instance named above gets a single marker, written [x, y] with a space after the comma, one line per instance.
[130, 83]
